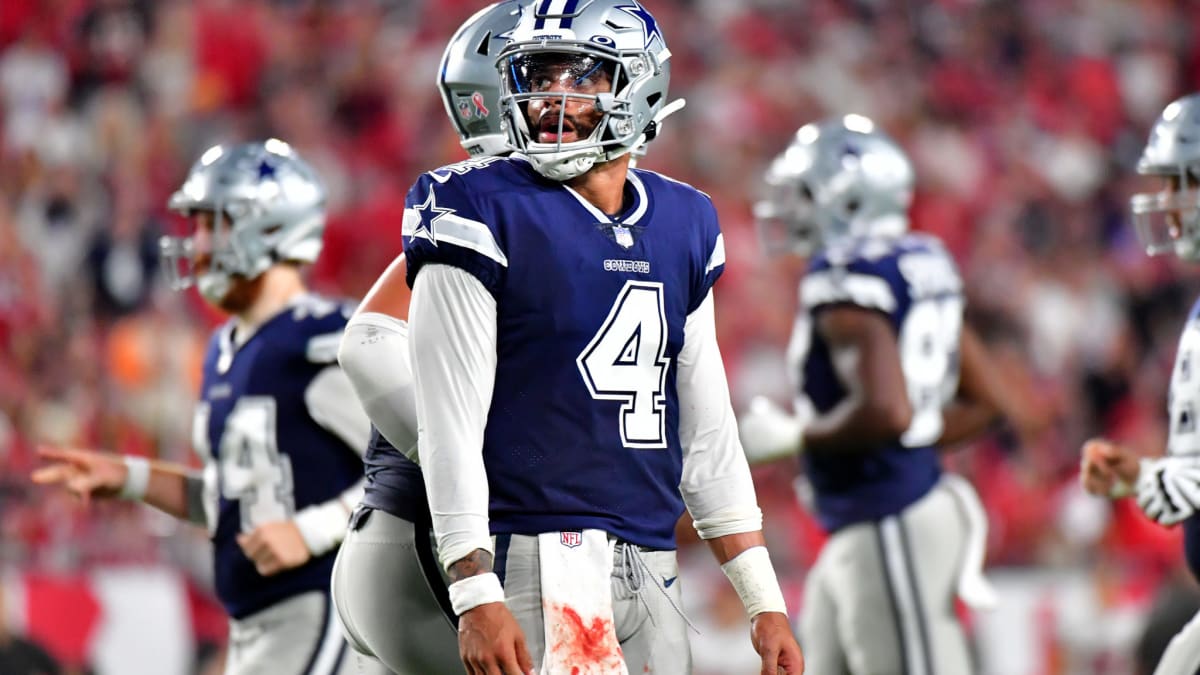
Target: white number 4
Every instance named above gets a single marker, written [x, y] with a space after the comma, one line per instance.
[625, 361]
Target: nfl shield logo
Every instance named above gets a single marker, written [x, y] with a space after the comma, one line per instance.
[571, 538]
[623, 235]
[464, 108]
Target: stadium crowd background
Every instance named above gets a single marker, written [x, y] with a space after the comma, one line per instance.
[1024, 120]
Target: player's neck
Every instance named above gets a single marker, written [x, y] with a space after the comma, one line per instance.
[604, 185]
[280, 286]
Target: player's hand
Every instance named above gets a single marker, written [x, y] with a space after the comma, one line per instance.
[768, 432]
[771, 635]
[1107, 469]
[275, 547]
[83, 473]
[491, 643]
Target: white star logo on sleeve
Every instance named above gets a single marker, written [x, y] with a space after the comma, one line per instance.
[429, 212]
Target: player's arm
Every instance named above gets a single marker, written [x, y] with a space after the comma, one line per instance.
[981, 393]
[876, 408]
[452, 349]
[171, 488]
[719, 493]
[374, 355]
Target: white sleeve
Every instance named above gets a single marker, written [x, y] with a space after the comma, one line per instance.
[716, 484]
[374, 355]
[452, 350]
[332, 404]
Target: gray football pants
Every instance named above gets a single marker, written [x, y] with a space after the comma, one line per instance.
[297, 636]
[880, 599]
[1183, 652]
[382, 583]
[646, 594]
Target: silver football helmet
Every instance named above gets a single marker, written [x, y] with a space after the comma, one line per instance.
[840, 177]
[469, 83]
[606, 58]
[268, 206]
[1169, 220]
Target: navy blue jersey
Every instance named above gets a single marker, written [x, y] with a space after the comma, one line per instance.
[265, 456]
[582, 430]
[914, 283]
[394, 482]
[1183, 404]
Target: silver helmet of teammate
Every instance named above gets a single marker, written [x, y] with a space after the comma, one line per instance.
[1169, 220]
[607, 57]
[840, 177]
[469, 83]
[268, 206]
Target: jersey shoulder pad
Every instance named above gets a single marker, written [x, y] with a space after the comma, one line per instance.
[312, 327]
[449, 219]
[861, 272]
[695, 215]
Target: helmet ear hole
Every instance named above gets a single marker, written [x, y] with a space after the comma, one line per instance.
[806, 193]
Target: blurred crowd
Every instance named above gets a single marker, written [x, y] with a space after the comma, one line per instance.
[1023, 119]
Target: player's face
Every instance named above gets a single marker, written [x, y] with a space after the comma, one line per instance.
[206, 233]
[568, 112]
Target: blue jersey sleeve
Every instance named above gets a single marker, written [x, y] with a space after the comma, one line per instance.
[444, 224]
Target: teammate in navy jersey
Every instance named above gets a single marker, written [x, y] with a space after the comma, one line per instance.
[387, 585]
[887, 376]
[570, 396]
[277, 424]
[1167, 487]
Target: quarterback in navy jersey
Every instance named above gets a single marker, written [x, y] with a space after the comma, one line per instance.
[886, 376]
[1167, 488]
[277, 426]
[570, 396]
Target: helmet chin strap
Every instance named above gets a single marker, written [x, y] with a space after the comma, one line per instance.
[214, 286]
[568, 164]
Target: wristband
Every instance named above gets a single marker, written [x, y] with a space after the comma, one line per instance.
[137, 478]
[467, 594]
[753, 578]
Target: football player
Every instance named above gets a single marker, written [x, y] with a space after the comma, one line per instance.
[387, 574]
[571, 399]
[277, 424]
[887, 376]
[1167, 487]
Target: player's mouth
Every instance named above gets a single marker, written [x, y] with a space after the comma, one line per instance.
[548, 130]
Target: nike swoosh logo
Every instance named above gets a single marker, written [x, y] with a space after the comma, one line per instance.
[667, 582]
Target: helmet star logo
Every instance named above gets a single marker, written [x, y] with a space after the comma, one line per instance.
[649, 26]
[266, 170]
[430, 213]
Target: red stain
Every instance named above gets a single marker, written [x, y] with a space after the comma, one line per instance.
[589, 646]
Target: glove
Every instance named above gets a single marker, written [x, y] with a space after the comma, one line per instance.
[1168, 488]
[769, 433]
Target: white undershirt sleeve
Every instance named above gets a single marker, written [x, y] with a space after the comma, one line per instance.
[332, 404]
[716, 484]
[452, 350]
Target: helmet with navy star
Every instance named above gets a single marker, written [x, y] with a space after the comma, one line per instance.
[606, 56]
[268, 206]
[1169, 220]
[841, 177]
[469, 83]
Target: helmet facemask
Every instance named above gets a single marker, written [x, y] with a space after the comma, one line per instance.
[1168, 221]
[786, 218]
[569, 106]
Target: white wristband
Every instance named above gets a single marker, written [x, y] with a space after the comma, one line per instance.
[322, 526]
[137, 478]
[753, 578]
[467, 594]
